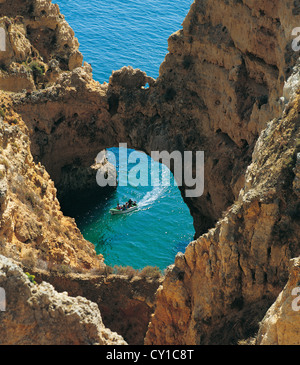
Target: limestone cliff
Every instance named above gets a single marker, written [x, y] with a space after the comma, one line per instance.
[33, 229]
[219, 91]
[218, 291]
[126, 302]
[32, 226]
[38, 315]
[281, 325]
[39, 42]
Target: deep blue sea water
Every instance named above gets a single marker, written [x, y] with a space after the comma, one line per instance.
[117, 33]
[113, 34]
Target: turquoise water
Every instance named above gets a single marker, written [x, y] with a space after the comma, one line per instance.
[151, 235]
[117, 33]
[113, 34]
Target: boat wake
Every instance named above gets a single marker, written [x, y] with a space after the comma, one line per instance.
[161, 185]
[152, 196]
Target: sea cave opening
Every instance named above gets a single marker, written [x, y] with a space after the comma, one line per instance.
[153, 234]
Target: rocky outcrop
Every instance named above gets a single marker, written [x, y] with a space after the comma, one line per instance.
[281, 325]
[36, 33]
[126, 302]
[38, 315]
[219, 290]
[67, 137]
[32, 227]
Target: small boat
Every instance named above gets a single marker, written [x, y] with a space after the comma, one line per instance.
[115, 211]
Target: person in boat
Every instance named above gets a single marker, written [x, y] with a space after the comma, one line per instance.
[129, 203]
[118, 207]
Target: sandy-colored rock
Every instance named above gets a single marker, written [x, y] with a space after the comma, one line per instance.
[126, 301]
[18, 47]
[32, 226]
[16, 82]
[281, 324]
[219, 290]
[35, 30]
[75, 60]
[38, 315]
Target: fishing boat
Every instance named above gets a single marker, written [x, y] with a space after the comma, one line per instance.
[115, 211]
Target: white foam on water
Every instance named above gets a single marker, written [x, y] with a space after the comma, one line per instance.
[158, 190]
[152, 196]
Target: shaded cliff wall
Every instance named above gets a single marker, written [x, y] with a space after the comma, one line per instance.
[32, 227]
[125, 302]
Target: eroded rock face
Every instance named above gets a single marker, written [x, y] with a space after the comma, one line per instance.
[32, 227]
[125, 302]
[36, 33]
[220, 288]
[281, 324]
[38, 315]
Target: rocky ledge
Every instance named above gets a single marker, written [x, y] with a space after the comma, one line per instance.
[38, 315]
